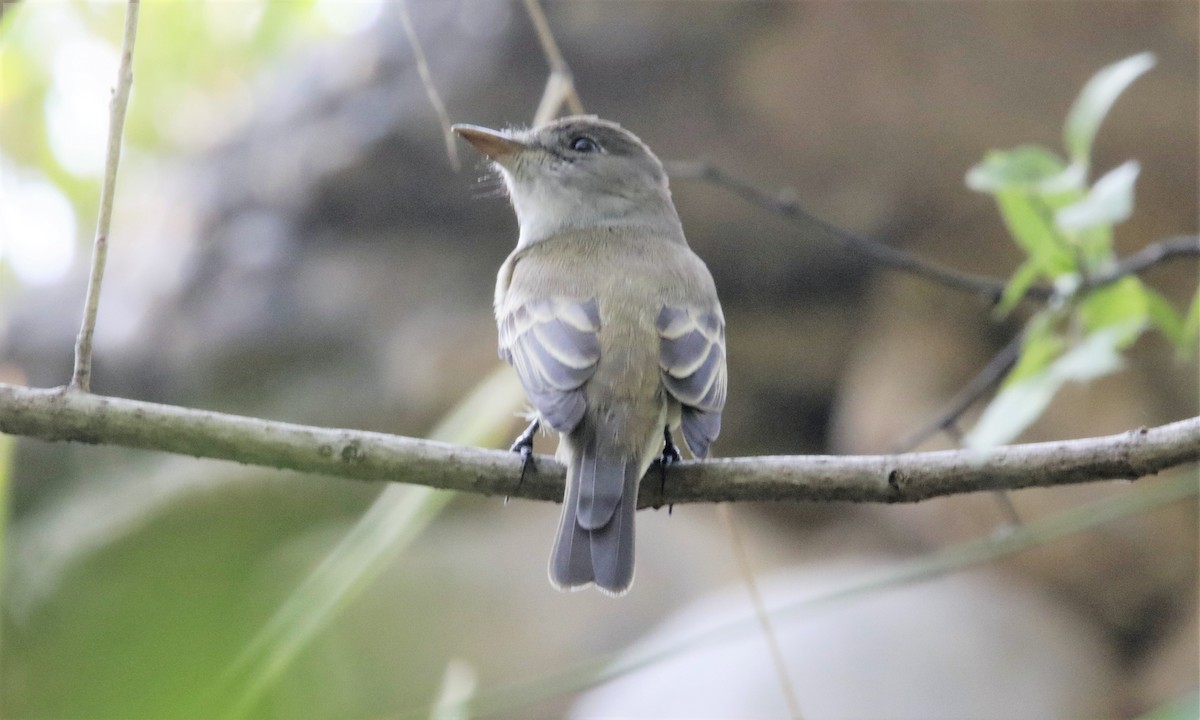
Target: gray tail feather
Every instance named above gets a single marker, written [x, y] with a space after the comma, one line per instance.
[603, 555]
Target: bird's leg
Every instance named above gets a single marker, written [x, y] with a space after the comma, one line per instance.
[670, 456]
[524, 446]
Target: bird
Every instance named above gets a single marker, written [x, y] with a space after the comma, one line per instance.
[612, 324]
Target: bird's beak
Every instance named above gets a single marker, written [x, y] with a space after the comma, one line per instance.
[495, 144]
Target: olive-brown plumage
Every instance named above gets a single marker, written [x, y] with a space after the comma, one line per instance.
[611, 322]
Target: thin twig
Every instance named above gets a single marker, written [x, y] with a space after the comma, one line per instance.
[742, 560]
[990, 288]
[430, 89]
[1172, 248]
[96, 419]
[983, 382]
[560, 86]
[81, 377]
[980, 385]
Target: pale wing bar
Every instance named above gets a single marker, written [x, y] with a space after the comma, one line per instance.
[692, 359]
[554, 345]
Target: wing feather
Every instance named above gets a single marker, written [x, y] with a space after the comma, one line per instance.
[692, 361]
[554, 345]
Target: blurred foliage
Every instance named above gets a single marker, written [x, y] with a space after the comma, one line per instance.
[504, 701]
[149, 626]
[395, 519]
[6, 457]
[1186, 708]
[1065, 228]
[58, 61]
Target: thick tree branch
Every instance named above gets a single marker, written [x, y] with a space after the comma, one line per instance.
[65, 414]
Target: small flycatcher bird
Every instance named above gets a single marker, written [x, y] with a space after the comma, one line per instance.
[611, 322]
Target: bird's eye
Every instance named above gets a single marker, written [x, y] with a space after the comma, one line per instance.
[584, 144]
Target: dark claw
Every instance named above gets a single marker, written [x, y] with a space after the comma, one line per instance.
[524, 446]
[670, 456]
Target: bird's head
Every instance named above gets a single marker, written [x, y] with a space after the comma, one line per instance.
[576, 172]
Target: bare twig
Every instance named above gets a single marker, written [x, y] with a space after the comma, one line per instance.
[1172, 248]
[980, 385]
[742, 560]
[560, 86]
[987, 379]
[81, 377]
[990, 289]
[430, 89]
[83, 417]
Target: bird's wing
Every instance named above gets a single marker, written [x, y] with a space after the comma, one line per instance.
[692, 358]
[554, 345]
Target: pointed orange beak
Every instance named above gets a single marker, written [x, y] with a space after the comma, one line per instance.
[495, 144]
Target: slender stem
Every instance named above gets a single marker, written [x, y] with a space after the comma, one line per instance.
[873, 250]
[980, 385]
[81, 377]
[991, 289]
[435, 99]
[560, 86]
[742, 560]
[1153, 254]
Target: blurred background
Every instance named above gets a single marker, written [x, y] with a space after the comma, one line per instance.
[291, 241]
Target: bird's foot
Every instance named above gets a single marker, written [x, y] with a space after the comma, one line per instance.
[524, 447]
[670, 456]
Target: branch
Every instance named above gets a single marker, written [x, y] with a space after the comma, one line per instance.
[981, 384]
[431, 91]
[1149, 256]
[991, 289]
[81, 377]
[59, 414]
[560, 86]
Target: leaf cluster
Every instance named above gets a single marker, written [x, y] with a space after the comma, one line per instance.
[1065, 225]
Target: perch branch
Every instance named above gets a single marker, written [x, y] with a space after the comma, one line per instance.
[56, 414]
[81, 377]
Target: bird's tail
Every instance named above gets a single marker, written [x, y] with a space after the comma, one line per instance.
[595, 535]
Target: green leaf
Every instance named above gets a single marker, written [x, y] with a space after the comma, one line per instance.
[1096, 356]
[1096, 99]
[1024, 215]
[397, 517]
[1110, 201]
[1014, 408]
[1039, 348]
[1019, 404]
[1123, 303]
[1023, 279]
[1027, 167]
[1190, 336]
[1164, 317]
